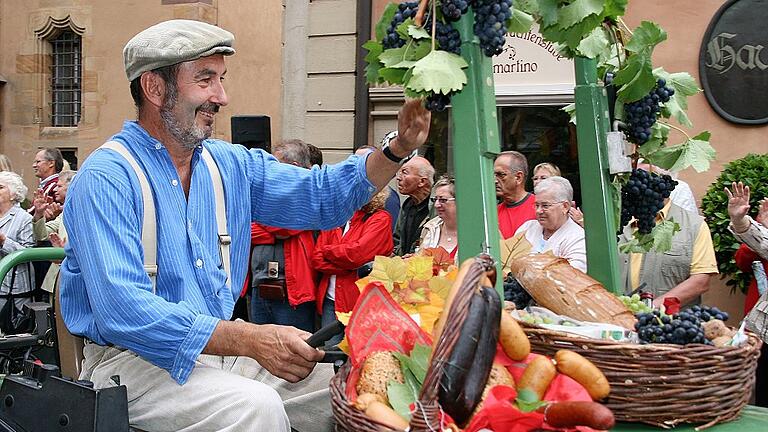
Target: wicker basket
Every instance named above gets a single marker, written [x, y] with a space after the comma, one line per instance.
[661, 384]
[428, 414]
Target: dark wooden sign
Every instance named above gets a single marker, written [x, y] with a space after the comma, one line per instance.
[733, 62]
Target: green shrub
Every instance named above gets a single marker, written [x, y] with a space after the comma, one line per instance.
[752, 170]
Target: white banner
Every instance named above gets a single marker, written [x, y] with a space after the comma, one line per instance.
[531, 65]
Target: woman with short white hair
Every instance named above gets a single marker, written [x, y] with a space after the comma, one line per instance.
[552, 230]
[15, 234]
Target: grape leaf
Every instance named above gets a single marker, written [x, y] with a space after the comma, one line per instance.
[548, 12]
[418, 33]
[577, 11]
[393, 76]
[385, 21]
[420, 267]
[520, 22]
[401, 397]
[438, 72]
[639, 243]
[614, 8]
[659, 136]
[527, 401]
[440, 286]
[635, 78]
[402, 29]
[410, 52]
[695, 152]
[372, 59]
[572, 36]
[527, 6]
[389, 271]
[685, 85]
[662, 235]
[594, 44]
[645, 37]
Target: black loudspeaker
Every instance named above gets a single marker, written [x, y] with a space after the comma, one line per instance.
[252, 131]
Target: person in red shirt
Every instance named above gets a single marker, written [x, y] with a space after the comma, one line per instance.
[281, 276]
[510, 171]
[340, 251]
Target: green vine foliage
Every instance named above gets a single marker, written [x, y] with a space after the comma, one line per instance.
[752, 170]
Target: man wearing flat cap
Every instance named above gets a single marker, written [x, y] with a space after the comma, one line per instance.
[168, 335]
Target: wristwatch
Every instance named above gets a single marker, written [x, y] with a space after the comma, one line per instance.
[391, 156]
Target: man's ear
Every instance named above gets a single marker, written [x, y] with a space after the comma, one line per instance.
[520, 177]
[153, 88]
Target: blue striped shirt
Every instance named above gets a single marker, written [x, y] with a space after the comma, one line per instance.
[105, 294]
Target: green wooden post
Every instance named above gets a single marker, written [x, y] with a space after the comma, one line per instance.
[597, 193]
[475, 132]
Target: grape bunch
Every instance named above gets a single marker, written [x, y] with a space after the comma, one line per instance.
[640, 115]
[437, 102]
[490, 28]
[680, 329]
[454, 9]
[405, 10]
[515, 293]
[634, 304]
[448, 38]
[642, 198]
[706, 313]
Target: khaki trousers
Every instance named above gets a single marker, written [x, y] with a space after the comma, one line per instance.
[222, 394]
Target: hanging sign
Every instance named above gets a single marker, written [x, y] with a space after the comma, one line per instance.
[531, 65]
[733, 62]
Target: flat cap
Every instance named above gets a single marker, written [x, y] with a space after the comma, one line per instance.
[174, 41]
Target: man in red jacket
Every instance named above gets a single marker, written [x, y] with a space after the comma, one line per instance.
[282, 278]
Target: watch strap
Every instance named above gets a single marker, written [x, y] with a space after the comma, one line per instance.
[391, 156]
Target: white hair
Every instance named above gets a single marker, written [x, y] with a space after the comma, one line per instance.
[15, 183]
[559, 186]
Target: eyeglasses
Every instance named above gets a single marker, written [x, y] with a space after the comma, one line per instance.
[441, 200]
[545, 205]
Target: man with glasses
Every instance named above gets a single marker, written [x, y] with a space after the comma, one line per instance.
[47, 165]
[415, 180]
[552, 230]
[510, 171]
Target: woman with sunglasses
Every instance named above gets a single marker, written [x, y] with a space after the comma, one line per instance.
[440, 231]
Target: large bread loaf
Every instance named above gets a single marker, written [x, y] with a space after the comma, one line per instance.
[564, 290]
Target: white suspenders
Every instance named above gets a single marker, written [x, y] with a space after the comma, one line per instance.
[149, 226]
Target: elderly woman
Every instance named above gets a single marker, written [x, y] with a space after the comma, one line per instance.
[544, 170]
[15, 234]
[440, 231]
[552, 230]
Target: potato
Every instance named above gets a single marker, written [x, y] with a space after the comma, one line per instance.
[378, 369]
[537, 376]
[584, 372]
[513, 339]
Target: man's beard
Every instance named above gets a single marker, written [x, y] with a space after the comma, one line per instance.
[189, 136]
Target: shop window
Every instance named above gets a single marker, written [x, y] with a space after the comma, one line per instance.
[542, 134]
[66, 74]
